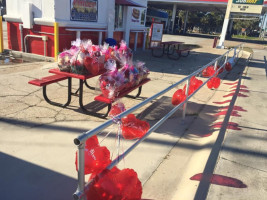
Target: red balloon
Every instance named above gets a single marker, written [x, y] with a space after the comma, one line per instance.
[191, 89]
[178, 97]
[208, 71]
[216, 82]
[116, 109]
[91, 142]
[220, 71]
[210, 83]
[95, 159]
[133, 128]
[228, 66]
[116, 185]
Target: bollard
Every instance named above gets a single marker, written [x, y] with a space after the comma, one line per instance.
[1, 36]
[215, 42]
[56, 49]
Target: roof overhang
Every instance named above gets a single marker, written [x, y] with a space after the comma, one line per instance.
[129, 3]
[194, 5]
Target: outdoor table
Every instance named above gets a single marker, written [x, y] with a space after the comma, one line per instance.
[168, 47]
[82, 81]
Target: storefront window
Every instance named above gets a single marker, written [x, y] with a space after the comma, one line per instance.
[118, 16]
[143, 17]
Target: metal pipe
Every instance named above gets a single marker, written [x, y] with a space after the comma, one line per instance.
[21, 36]
[81, 178]
[1, 36]
[44, 38]
[186, 94]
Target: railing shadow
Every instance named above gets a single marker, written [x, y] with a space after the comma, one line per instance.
[23, 180]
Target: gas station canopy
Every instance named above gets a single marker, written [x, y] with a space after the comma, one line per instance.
[194, 5]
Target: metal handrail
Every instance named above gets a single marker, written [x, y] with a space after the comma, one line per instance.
[80, 140]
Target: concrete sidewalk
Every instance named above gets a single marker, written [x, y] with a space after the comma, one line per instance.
[244, 152]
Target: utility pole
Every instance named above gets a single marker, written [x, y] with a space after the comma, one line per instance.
[225, 24]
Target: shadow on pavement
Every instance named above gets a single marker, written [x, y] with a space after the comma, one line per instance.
[41, 184]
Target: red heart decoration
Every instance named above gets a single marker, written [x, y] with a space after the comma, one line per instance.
[208, 72]
[214, 83]
[228, 66]
[133, 128]
[91, 142]
[116, 185]
[95, 159]
[116, 109]
[178, 97]
[221, 70]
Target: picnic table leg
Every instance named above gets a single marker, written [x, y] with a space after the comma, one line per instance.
[82, 106]
[137, 95]
[55, 103]
[87, 85]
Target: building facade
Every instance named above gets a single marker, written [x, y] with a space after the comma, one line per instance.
[30, 24]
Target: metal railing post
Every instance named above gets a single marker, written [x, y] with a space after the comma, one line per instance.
[81, 178]
[186, 94]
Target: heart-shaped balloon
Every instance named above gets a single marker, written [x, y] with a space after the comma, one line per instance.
[228, 66]
[116, 109]
[133, 128]
[96, 159]
[214, 83]
[221, 70]
[116, 185]
[208, 71]
[178, 97]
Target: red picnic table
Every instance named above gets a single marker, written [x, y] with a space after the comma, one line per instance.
[169, 48]
[61, 75]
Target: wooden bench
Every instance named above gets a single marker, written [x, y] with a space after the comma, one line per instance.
[43, 82]
[124, 93]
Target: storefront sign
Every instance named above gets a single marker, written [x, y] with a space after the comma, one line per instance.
[246, 8]
[136, 15]
[253, 2]
[83, 10]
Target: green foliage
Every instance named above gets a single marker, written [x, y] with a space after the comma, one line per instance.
[206, 22]
[248, 25]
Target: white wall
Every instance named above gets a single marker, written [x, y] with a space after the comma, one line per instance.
[40, 8]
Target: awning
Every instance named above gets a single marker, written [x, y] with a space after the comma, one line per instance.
[128, 3]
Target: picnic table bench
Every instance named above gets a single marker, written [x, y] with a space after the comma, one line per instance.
[60, 76]
[171, 48]
[123, 93]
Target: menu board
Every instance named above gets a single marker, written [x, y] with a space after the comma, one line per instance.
[156, 32]
[83, 10]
